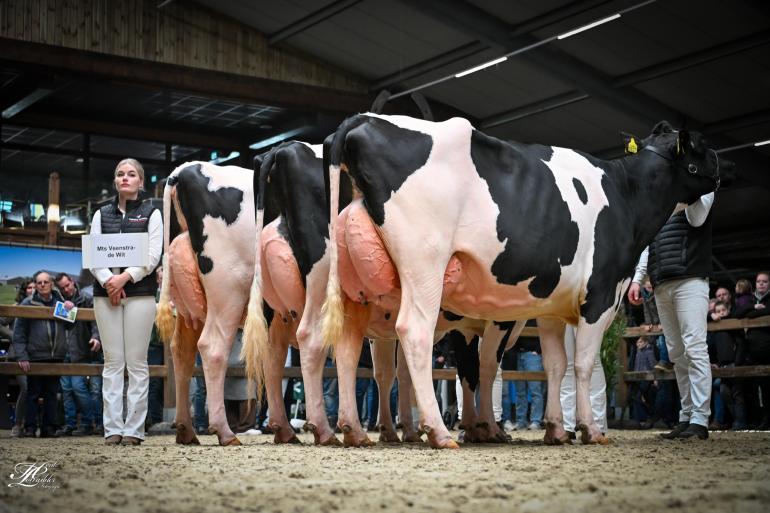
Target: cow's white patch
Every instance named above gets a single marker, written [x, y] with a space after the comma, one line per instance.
[317, 149]
[567, 165]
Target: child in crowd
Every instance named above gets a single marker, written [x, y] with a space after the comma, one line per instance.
[727, 350]
[743, 295]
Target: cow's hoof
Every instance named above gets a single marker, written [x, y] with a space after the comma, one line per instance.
[411, 438]
[352, 440]
[471, 435]
[388, 435]
[279, 435]
[332, 441]
[233, 442]
[556, 435]
[443, 443]
[597, 438]
[186, 436]
[319, 438]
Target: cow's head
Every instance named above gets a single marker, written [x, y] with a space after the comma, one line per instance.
[699, 169]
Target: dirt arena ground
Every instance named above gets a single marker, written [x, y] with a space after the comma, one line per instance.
[637, 472]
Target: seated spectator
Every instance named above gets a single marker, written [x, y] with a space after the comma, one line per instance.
[743, 295]
[727, 350]
[758, 339]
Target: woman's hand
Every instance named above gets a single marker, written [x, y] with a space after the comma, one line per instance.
[114, 286]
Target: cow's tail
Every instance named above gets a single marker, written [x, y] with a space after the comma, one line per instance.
[333, 311]
[255, 336]
[164, 317]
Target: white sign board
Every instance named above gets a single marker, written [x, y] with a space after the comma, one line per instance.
[116, 250]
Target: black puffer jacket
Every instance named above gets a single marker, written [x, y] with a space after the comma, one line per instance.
[40, 339]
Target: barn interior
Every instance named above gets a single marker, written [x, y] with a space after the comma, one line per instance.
[86, 84]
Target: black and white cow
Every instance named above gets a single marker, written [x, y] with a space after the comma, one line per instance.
[530, 231]
[208, 263]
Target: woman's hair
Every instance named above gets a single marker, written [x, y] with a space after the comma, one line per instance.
[743, 286]
[135, 164]
[21, 292]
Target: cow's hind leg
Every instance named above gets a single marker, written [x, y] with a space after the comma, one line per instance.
[384, 360]
[555, 364]
[275, 361]
[183, 349]
[415, 326]
[347, 354]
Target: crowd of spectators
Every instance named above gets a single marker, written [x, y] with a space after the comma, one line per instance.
[736, 403]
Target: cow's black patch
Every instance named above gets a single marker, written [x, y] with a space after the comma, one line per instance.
[291, 179]
[451, 316]
[581, 191]
[380, 156]
[196, 202]
[535, 222]
[467, 357]
[508, 327]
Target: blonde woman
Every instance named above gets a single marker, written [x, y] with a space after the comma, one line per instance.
[124, 304]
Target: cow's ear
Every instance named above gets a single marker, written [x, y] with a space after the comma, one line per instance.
[631, 143]
[663, 127]
[683, 143]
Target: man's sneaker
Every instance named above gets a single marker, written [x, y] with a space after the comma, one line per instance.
[65, 431]
[535, 426]
[49, 432]
[99, 430]
[200, 430]
[28, 433]
[694, 431]
[520, 427]
[508, 425]
[86, 430]
[674, 433]
[664, 366]
[17, 431]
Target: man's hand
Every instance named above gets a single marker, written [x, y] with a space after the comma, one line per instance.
[95, 345]
[635, 294]
[759, 306]
[24, 365]
[69, 305]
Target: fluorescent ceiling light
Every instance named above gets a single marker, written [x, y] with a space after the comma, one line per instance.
[589, 26]
[278, 138]
[481, 66]
[762, 143]
[221, 160]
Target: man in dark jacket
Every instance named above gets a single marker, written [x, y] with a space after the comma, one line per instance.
[83, 346]
[40, 340]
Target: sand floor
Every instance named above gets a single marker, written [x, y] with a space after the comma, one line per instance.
[637, 472]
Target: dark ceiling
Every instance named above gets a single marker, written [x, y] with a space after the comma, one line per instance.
[704, 65]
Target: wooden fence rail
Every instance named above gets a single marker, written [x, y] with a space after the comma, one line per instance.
[167, 372]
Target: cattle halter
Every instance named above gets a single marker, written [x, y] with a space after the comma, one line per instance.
[691, 167]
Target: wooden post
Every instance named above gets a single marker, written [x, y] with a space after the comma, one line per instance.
[53, 215]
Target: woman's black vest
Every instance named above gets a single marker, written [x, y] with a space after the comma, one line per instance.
[136, 220]
[680, 250]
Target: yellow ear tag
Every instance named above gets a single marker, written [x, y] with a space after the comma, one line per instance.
[631, 147]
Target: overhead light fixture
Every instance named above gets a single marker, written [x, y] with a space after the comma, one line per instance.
[522, 50]
[745, 145]
[278, 138]
[481, 66]
[589, 26]
[222, 160]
